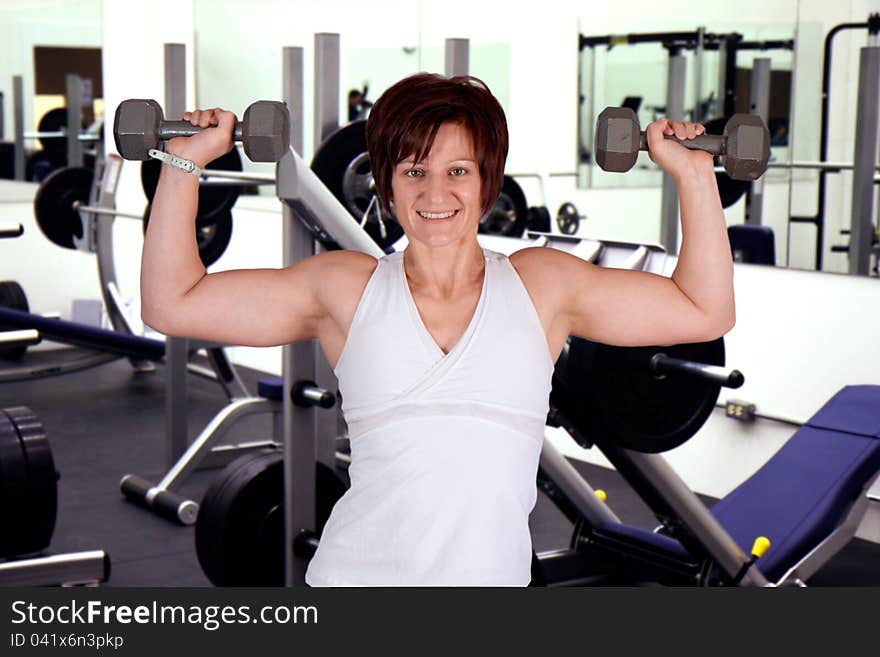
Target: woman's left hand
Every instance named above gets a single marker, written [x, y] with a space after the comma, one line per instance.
[674, 158]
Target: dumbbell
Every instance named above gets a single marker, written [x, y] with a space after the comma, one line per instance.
[743, 149]
[140, 125]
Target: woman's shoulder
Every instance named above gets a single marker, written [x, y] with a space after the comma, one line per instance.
[351, 261]
[345, 269]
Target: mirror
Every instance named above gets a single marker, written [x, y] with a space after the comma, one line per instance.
[719, 60]
[718, 71]
[44, 41]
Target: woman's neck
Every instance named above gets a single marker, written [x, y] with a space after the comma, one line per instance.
[443, 272]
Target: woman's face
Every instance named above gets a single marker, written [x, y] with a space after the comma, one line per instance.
[437, 200]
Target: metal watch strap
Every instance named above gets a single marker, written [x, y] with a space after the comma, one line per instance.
[169, 158]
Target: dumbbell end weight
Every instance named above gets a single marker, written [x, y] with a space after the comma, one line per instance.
[748, 137]
[135, 127]
[266, 131]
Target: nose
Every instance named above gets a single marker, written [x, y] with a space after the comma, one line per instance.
[437, 190]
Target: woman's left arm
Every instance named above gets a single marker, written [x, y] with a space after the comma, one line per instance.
[704, 272]
[631, 308]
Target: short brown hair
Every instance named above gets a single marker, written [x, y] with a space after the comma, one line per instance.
[404, 121]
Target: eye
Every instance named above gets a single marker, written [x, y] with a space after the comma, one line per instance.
[413, 173]
[458, 171]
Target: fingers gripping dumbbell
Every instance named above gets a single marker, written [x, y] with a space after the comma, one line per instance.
[743, 149]
[140, 125]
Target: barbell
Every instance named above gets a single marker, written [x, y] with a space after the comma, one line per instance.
[649, 399]
[58, 134]
[53, 129]
[239, 533]
[62, 200]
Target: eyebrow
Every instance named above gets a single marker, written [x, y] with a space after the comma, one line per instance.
[411, 162]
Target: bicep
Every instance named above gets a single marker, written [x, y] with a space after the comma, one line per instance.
[631, 308]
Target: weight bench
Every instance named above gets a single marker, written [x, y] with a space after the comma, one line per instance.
[162, 499]
[808, 499]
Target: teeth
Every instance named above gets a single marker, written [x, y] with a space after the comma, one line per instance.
[437, 215]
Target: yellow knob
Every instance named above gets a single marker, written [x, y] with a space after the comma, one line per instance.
[601, 494]
[760, 546]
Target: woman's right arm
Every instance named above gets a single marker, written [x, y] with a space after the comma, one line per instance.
[254, 307]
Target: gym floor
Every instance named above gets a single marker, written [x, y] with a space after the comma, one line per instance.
[108, 421]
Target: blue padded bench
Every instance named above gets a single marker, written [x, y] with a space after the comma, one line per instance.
[752, 244]
[803, 493]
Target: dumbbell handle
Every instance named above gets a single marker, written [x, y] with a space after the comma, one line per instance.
[171, 129]
[713, 144]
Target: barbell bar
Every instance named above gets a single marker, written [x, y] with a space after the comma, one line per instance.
[239, 175]
[11, 230]
[59, 134]
[816, 166]
[82, 207]
[221, 178]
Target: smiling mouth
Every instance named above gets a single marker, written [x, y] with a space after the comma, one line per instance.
[437, 216]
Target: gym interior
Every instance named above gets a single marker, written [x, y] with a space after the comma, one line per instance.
[131, 458]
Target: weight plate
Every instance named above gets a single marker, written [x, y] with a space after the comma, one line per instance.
[568, 219]
[509, 215]
[53, 204]
[213, 199]
[28, 495]
[53, 121]
[358, 189]
[343, 165]
[12, 296]
[212, 238]
[7, 160]
[240, 527]
[610, 395]
[42, 476]
[13, 488]
[39, 164]
[539, 219]
[730, 190]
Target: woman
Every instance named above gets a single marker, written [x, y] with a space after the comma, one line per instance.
[444, 352]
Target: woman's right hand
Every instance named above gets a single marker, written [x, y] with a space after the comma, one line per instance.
[209, 144]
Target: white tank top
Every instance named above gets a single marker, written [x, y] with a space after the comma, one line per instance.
[444, 448]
